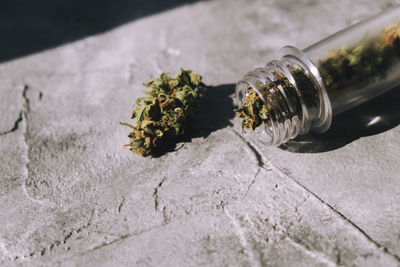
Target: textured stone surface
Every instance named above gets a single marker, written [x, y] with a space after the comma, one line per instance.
[72, 195]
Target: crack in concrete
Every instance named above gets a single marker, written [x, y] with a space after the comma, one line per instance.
[260, 161]
[56, 243]
[155, 194]
[166, 218]
[20, 118]
[259, 158]
[121, 204]
[15, 126]
[25, 112]
[341, 215]
[253, 181]
[105, 244]
[28, 180]
[27, 106]
[122, 237]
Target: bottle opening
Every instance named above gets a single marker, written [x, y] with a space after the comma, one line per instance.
[269, 105]
[284, 99]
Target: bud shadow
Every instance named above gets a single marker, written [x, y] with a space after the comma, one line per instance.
[373, 117]
[216, 109]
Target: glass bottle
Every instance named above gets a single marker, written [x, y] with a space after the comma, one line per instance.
[303, 90]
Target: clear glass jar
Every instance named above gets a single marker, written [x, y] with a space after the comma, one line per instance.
[303, 90]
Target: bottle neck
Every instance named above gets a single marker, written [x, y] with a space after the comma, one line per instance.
[293, 93]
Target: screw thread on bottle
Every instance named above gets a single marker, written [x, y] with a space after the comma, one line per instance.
[293, 93]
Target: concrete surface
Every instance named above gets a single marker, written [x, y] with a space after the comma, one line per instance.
[72, 195]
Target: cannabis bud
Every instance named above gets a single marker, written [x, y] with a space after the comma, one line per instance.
[255, 111]
[163, 114]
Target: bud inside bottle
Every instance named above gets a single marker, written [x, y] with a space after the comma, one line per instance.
[304, 89]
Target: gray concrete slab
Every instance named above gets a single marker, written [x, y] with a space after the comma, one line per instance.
[72, 195]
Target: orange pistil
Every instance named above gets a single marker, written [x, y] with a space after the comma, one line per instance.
[392, 33]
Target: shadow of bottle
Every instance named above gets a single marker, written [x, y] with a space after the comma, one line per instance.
[216, 109]
[373, 117]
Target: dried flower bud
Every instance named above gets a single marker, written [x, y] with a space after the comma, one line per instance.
[163, 114]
